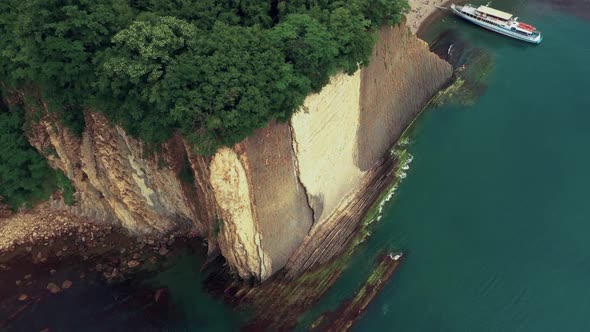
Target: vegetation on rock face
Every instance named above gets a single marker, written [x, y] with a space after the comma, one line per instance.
[25, 176]
[213, 70]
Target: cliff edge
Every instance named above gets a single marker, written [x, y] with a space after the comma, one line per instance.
[280, 198]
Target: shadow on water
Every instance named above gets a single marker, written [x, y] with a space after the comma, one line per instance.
[161, 294]
[472, 68]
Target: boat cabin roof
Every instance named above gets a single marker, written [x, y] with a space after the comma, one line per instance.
[494, 12]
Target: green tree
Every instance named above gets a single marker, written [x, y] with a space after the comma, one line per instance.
[355, 40]
[308, 46]
[25, 177]
[204, 13]
[239, 83]
[55, 42]
[132, 82]
[382, 12]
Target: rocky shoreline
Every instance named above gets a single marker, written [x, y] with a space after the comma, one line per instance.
[61, 252]
[44, 234]
[421, 13]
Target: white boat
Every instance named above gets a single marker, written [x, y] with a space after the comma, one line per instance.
[498, 21]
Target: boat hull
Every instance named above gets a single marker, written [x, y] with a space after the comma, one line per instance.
[497, 29]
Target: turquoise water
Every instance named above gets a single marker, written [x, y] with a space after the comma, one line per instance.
[494, 215]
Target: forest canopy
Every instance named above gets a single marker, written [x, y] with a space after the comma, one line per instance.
[214, 70]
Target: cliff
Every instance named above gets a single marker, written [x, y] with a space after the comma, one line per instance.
[115, 180]
[339, 140]
[289, 196]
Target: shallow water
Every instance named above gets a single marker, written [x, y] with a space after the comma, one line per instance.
[166, 295]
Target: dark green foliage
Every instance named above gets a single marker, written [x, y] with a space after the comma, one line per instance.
[25, 176]
[185, 174]
[216, 70]
[241, 82]
[132, 79]
[55, 44]
[73, 118]
[205, 13]
[308, 46]
[218, 227]
[213, 70]
[66, 186]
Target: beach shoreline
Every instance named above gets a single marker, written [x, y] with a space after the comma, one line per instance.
[422, 12]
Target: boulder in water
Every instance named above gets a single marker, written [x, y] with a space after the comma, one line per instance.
[53, 288]
[66, 284]
[163, 251]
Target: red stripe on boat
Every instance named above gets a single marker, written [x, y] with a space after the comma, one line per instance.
[525, 26]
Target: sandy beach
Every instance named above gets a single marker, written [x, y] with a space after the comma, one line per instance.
[420, 10]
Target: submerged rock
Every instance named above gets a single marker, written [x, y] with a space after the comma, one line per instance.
[66, 284]
[472, 68]
[53, 288]
[159, 293]
[163, 251]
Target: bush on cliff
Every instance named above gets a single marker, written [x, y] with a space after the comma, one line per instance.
[213, 70]
[25, 176]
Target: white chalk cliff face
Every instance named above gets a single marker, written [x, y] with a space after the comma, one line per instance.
[239, 227]
[325, 142]
[259, 200]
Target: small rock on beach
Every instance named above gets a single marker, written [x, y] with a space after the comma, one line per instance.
[163, 251]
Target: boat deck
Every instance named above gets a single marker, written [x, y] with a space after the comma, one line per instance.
[510, 27]
[473, 11]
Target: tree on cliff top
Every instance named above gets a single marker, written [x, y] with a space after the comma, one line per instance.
[249, 61]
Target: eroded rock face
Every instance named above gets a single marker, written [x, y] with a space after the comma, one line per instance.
[325, 142]
[278, 197]
[241, 239]
[114, 181]
[400, 79]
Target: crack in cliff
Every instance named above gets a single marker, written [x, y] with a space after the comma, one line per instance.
[295, 148]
